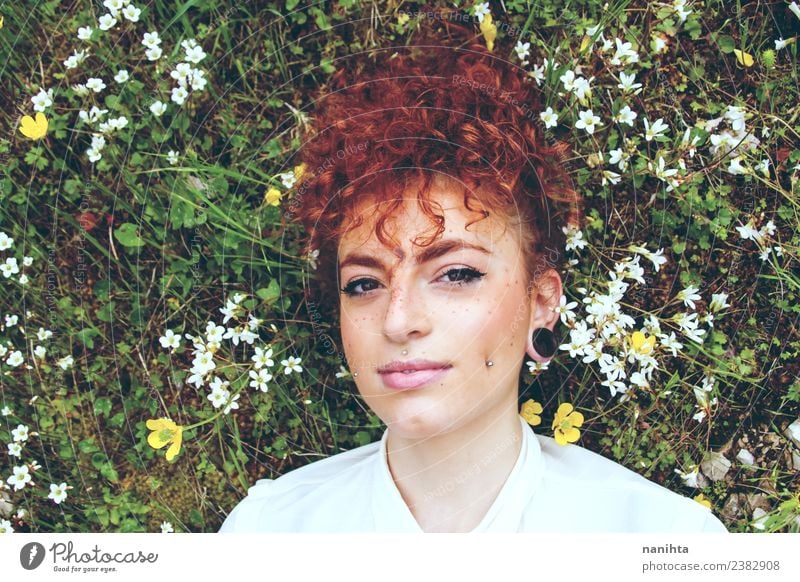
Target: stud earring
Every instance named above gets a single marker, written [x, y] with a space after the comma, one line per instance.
[489, 363]
[544, 342]
[405, 352]
[355, 374]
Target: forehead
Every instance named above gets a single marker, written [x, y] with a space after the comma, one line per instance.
[409, 223]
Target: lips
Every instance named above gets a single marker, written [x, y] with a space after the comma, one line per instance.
[413, 374]
[412, 366]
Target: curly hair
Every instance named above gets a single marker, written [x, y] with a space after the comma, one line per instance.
[445, 106]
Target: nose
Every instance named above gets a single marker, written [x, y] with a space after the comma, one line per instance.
[406, 314]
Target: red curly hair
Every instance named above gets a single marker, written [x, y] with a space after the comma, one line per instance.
[445, 106]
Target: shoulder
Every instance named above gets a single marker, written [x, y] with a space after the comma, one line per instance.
[315, 492]
[608, 496]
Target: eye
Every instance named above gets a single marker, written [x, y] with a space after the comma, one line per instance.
[463, 276]
[350, 288]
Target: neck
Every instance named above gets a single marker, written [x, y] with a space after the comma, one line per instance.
[450, 480]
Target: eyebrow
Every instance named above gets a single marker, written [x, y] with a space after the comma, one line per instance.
[435, 250]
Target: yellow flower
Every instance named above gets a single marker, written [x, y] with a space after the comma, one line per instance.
[34, 129]
[273, 197]
[643, 344]
[1, 21]
[702, 500]
[298, 171]
[565, 424]
[402, 18]
[165, 431]
[530, 411]
[489, 31]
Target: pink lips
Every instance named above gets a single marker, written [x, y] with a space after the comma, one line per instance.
[413, 379]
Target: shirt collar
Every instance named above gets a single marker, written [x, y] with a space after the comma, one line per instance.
[393, 515]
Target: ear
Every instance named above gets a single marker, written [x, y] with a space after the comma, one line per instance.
[545, 297]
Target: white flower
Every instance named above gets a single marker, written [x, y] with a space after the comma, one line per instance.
[564, 309]
[158, 108]
[480, 10]
[679, 6]
[568, 80]
[795, 9]
[262, 358]
[522, 50]
[549, 117]
[537, 74]
[58, 493]
[179, 95]
[84, 33]
[75, 59]
[195, 54]
[6, 411]
[582, 89]
[6, 242]
[218, 397]
[170, 339]
[627, 83]
[690, 477]
[343, 372]
[214, 332]
[231, 405]
[611, 177]
[166, 527]
[619, 157]
[40, 352]
[260, 379]
[172, 157]
[20, 434]
[735, 166]
[20, 478]
[626, 115]
[42, 100]
[95, 84]
[780, 43]
[181, 72]
[131, 12]
[10, 267]
[588, 121]
[658, 43]
[153, 53]
[151, 39]
[5, 527]
[656, 258]
[718, 302]
[625, 54]
[574, 237]
[114, 6]
[291, 364]
[27, 261]
[44, 334]
[689, 295]
[658, 128]
[15, 359]
[106, 22]
[198, 80]
[121, 76]
[66, 362]
[11, 320]
[14, 449]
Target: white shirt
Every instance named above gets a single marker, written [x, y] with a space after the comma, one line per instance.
[551, 488]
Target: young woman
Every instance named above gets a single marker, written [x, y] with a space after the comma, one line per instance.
[438, 211]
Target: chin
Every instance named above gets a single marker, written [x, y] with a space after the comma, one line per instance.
[418, 420]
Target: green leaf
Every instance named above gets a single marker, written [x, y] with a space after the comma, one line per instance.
[270, 293]
[127, 236]
[726, 44]
[102, 406]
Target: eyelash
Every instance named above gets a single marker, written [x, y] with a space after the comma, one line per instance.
[474, 275]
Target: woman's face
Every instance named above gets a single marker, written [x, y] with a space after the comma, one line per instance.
[449, 302]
